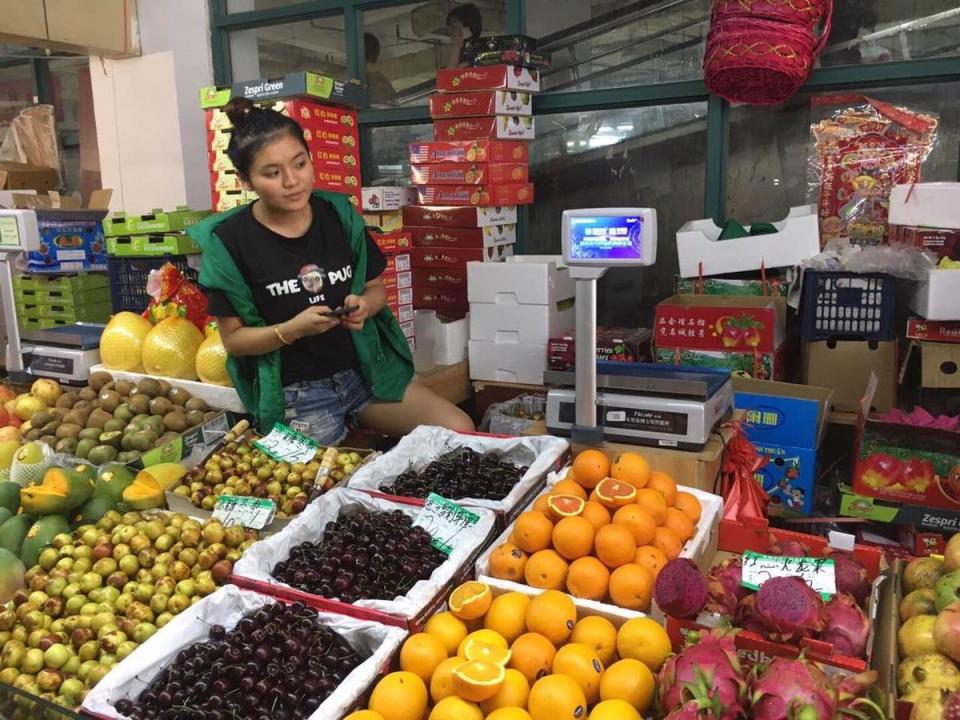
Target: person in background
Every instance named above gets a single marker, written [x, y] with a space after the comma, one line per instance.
[380, 89]
[464, 22]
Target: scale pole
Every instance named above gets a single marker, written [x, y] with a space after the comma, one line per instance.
[586, 430]
[14, 351]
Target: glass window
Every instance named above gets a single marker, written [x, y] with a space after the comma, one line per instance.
[405, 45]
[275, 50]
[767, 166]
[637, 157]
[70, 81]
[236, 6]
[869, 31]
[16, 93]
[601, 44]
[386, 161]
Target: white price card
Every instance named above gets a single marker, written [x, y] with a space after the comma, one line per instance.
[250, 512]
[819, 573]
[445, 521]
[285, 444]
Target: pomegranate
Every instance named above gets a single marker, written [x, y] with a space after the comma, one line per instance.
[922, 573]
[946, 631]
[919, 602]
[951, 555]
[923, 672]
[915, 636]
[930, 704]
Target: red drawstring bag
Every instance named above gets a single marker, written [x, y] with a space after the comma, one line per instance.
[745, 501]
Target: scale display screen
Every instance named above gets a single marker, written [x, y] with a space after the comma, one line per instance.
[610, 236]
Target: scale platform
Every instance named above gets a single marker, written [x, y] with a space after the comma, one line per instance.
[646, 404]
[63, 353]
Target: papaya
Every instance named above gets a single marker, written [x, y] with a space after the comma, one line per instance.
[61, 491]
[13, 532]
[113, 480]
[143, 493]
[94, 509]
[11, 575]
[40, 536]
[86, 470]
[10, 496]
[166, 474]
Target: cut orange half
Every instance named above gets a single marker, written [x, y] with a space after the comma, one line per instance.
[475, 649]
[470, 600]
[478, 680]
[561, 506]
[614, 493]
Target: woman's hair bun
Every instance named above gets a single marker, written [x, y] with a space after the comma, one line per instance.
[238, 110]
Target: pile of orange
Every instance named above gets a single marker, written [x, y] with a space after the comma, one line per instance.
[602, 533]
[516, 657]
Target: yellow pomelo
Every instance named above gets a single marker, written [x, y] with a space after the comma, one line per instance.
[170, 349]
[121, 343]
[212, 361]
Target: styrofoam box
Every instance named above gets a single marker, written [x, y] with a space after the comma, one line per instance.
[939, 297]
[226, 607]
[797, 238]
[507, 362]
[933, 205]
[701, 548]
[216, 396]
[450, 345]
[530, 324]
[260, 558]
[521, 280]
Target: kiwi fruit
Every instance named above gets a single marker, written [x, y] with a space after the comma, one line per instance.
[175, 421]
[179, 396]
[109, 386]
[139, 404]
[114, 425]
[165, 387]
[123, 413]
[195, 404]
[154, 423]
[124, 387]
[98, 418]
[51, 427]
[33, 434]
[127, 456]
[58, 413]
[89, 434]
[149, 386]
[67, 445]
[160, 406]
[110, 400]
[112, 439]
[102, 454]
[49, 440]
[77, 417]
[40, 419]
[84, 447]
[194, 417]
[138, 421]
[83, 406]
[126, 442]
[88, 394]
[99, 379]
[167, 437]
[143, 440]
[68, 430]
[67, 400]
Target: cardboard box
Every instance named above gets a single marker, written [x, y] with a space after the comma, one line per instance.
[523, 280]
[477, 195]
[218, 140]
[450, 300]
[22, 176]
[495, 77]
[492, 127]
[152, 245]
[773, 286]
[936, 298]
[314, 114]
[397, 297]
[942, 242]
[229, 199]
[716, 323]
[930, 205]
[613, 345]
[342, 181]
[397, 281]
[327, 159]
[920, 329]
[485, 237]
[399, 262]
[468, 173]
[216, 119]
[789, 476]
[459, 217]
[328, 139]
[295, 84]
[699, 245]
[219, 161]
[158, 221]
[940, 365]
[225, 180]
[386, 222]
[920, 517]
[387, 197]
[507, 362]
[442, 279]
[845, 366]
[488, 102]
[782, 413]
[71, 233]
[531, 324]
[408, 329]
[468, 151]
[107, 27]
[438, 258]
[392, 242]
[403, 313]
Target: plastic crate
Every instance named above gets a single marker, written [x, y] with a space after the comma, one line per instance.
[847, 305]
[128, 279]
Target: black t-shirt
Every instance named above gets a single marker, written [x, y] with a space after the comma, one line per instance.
[287, 275]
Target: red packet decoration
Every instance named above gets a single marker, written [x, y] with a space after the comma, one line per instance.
[172, 295]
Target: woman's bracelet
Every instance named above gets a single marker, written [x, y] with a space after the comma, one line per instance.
[276, 329]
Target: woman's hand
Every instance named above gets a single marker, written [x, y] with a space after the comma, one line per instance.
[315, 320]
[355, 320]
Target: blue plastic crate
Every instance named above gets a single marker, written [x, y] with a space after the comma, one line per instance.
[846, 305]
[128, 279]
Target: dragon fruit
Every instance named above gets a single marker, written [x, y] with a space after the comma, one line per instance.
[853, 691]
[707, 672]
[746, 615]
[845, 626]
[697, 710]
[793, 690]
[680, 590]
[787, 548]
[852, 577]
[724, 588]
[789, 609]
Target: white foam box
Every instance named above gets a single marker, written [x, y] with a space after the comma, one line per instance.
[931, 205]
[519, 363]
[521, 280]
[938, 298]
[530, 324]
[450, 345]
[387, 197]
[797, 238]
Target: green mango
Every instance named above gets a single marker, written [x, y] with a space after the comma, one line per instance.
[40, 536]
[5, 515]
[13, 531]
[94, 509]
[113, 480]
[10, 496]
[11, 575]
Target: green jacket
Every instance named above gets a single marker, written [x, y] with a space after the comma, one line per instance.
[382, 350]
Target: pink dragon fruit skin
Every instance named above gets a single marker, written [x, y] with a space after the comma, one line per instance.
[845, 626]
[789, 609]
[724, 588]
[787, 548]
[695, 710]
[746, 616]
[708, 672]
[793, 689]
[852, 577]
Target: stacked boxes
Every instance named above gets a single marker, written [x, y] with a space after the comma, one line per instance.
[43, 303]
[397, 277]
[156, 233]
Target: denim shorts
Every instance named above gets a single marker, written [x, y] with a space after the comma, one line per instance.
[324, 409]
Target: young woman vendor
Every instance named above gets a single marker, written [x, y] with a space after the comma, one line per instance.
[294, 281]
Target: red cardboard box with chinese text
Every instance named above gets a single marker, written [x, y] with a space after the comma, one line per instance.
[468, 173]
[441, 279]
[225, 180]
[400, 296]
[942, 242]
[403, 313]
[458, 258]
[392, 242]
[218, 140]
[742, 334]
[933, 331]
[488, 102]
[399, 262]
[494, 77]
[463, 237]
[331, 139]
[477, 195]
[397, 280]
[219, 161]
[315, 115]
[494, 127]
[458, 217]
[346, 159]
[341, 181]
[461, 151]
[613, 345]
[441, 299]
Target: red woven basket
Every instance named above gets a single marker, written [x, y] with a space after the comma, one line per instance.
[808, 13]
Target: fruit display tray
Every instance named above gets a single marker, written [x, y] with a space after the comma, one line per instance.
[541, 454]
[227, 607]
[253, 570]
[216, 396]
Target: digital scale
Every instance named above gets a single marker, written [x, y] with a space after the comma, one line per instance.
[64, 353]
[637, 403]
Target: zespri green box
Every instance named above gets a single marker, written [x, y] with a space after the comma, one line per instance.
[296, 84]
[151, 245]
[158, 221]
[70, 283]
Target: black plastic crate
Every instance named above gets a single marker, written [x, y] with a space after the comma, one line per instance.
[847, 305]
[128, 279]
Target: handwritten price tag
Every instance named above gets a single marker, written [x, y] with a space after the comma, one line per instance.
[445, 521]
[818, 573]
[285, 444]
[250, 512]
